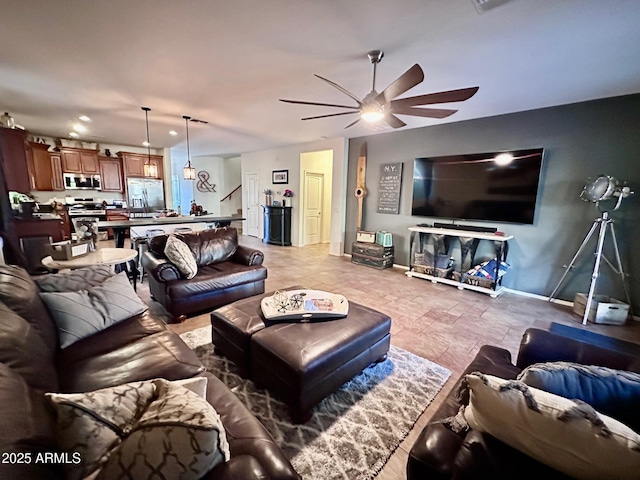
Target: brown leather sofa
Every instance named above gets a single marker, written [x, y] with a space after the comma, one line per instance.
[226, 272]
[439, 453]
[139, 348]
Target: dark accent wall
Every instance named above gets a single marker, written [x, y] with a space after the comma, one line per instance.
[580, 140]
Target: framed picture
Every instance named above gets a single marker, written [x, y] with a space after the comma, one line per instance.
[280, 176]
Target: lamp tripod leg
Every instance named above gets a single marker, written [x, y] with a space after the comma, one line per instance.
[596, 266]
[575, 257]
[620, 270]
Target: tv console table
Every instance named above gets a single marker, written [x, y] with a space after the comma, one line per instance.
[469, 241]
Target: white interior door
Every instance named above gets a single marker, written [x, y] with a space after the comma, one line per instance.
[253, 207]
[313, 191]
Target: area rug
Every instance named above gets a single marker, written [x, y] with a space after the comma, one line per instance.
[354, 431]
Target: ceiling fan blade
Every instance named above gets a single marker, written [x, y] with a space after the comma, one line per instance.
[459, 95]
[424, 112]
[404, 82]
[343, 90]
[394, 121]
[329, 115]
[301, 102]
[352, 123]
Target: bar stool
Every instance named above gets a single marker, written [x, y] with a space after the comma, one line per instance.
[140, 244]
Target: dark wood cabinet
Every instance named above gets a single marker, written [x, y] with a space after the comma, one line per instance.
[277, 225]
[40, 228]
[133, 164]
[45, 168]
[80, 160]
[111, 174]
[13, 147]
[57, 182]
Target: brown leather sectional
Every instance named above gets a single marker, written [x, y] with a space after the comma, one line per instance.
[139, 348]
[226, 272]
[439, 453]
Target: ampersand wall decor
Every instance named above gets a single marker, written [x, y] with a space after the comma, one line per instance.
[203, 184]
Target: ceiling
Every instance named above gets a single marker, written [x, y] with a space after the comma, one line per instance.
[228, 62]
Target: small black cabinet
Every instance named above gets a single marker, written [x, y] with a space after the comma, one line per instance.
[277, 225]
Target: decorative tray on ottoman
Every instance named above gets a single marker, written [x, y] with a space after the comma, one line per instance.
[304, 305]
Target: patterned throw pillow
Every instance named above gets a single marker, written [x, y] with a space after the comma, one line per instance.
[181, 256]
[87, 312]
[150, 429]
[613, 392]
[567, 435]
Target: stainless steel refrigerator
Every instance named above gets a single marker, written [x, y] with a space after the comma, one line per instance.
[144, 193]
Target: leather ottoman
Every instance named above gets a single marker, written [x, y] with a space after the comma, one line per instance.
[301, 362]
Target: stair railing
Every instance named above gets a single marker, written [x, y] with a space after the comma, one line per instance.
[232, 192]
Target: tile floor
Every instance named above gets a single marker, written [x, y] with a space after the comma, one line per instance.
[437, 322]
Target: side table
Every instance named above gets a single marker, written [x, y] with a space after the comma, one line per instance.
[101, 256]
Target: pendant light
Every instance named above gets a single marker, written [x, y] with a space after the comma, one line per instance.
[150, 169]
[189, 171]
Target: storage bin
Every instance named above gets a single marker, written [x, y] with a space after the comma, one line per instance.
[604, 309]
[67, 250]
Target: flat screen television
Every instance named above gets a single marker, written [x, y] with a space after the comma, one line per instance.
[492, 187]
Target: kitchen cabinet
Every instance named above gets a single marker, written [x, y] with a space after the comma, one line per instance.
[46, 171]
[57, 181]
[133, 164]
[80, 160]
[111, 174]
[13, 155]
[53, 228]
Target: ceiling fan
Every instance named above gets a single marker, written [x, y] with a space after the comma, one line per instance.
[385, 105]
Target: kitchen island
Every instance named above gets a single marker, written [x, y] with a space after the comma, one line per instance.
[120, 226]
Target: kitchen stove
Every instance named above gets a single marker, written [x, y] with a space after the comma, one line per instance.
[85, 207]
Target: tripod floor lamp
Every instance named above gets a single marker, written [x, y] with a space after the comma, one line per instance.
[602, 188]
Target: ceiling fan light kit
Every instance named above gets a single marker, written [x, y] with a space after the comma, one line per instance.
[189, 171]
[375, 106]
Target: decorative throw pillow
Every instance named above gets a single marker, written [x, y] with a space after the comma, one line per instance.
[569, 436]
[140, 430]
[613, 392]
[87, 312]
[74, 280]
[180, 255]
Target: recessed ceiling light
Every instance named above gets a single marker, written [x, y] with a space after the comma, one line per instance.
[73, 135]
[173, 132]
[78, 127]
[84, 118]
[146, 144]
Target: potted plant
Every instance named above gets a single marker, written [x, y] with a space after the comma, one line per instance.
[287, 194]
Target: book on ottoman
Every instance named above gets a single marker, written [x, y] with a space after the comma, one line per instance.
[304, 305]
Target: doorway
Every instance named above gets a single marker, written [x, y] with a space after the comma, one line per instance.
[253, 205]
[313, 196]
[316, 178]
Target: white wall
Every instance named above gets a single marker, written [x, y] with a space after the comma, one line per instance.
[231, 178]
[210, 201]
[288, 158]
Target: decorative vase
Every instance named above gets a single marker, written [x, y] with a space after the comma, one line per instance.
[267, 200]
[284, 202]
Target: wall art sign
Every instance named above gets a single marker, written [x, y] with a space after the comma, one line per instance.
[280, 176]
[389, 188]
[203, 184]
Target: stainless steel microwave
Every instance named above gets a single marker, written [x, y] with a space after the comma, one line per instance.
[74, 181]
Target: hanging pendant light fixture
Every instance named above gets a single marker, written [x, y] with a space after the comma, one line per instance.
[189, 171]
[150, 169]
